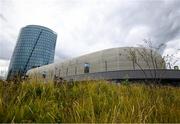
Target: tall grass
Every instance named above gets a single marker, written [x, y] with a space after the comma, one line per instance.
[88, 101]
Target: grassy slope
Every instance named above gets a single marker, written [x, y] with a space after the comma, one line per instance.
[88, 101]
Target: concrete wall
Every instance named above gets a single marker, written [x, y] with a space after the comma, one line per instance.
[105, 60]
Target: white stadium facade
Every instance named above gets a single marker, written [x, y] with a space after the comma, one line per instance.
[110, 64]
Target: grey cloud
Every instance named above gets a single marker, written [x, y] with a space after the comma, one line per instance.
[106, 24]
[61, 55]
[162, 18]
[7, 41]
[167, 25]
[101, 24]
[6, 49]
[7, 31]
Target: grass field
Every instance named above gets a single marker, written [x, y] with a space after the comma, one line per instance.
[89, 101]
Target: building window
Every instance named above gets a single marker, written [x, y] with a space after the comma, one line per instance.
[86, 67]
[44, 74]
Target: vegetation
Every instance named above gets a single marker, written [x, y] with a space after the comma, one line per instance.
[88, 101]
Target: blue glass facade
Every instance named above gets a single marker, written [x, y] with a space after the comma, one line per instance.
[35, 47]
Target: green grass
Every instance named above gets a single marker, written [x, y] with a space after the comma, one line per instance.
[89, 101]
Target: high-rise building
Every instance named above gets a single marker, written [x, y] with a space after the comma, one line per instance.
[35, 47]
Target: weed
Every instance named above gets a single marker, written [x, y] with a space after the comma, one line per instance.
[88, 101]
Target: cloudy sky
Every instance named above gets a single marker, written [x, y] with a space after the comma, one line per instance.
[85, 26]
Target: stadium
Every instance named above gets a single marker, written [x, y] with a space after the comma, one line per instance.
[110, 64]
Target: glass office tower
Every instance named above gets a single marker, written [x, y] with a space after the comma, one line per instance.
[35, 47]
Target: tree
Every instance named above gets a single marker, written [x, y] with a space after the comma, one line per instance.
[149, 55]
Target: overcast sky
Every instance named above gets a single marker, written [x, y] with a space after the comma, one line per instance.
[85, 26]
